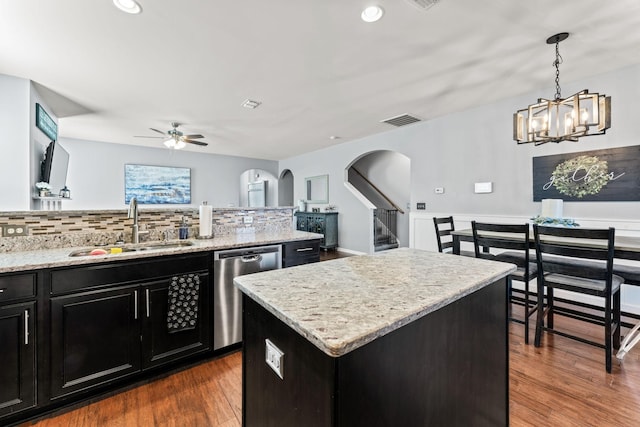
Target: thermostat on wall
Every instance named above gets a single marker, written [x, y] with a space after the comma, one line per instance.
[484, 187]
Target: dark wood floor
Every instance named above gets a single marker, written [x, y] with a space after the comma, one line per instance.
[563, 383]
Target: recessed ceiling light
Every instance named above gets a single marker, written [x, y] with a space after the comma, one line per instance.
[249, 103]
[128, 6]
[372, 14]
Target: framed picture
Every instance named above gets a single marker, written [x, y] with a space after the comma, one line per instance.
[157, 184]
[611, 175]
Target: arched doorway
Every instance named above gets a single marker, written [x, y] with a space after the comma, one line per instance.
[382, 179]
[258, 188]
[285, 188]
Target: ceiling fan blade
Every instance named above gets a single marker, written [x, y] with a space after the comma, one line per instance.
[159, 131]
[196, 136]
[145, 136]
[204, 144]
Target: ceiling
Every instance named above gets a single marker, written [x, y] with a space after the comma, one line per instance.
[316, 67]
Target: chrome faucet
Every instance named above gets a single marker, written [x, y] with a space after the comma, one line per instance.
[133, 213]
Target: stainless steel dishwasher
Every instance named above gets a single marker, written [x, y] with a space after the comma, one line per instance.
[227, 303]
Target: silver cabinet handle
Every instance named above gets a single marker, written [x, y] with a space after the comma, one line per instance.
[26, 327]
[304, 249]
[147, 298]
[135, 304]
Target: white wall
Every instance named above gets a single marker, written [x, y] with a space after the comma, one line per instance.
[14, 143]
[471, 146]
[96, 173]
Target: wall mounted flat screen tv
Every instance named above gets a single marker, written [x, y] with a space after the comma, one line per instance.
[54, 167]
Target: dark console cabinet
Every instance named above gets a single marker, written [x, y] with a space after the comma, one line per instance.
[325, 223]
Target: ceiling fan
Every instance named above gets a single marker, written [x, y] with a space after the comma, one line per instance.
[176, 139]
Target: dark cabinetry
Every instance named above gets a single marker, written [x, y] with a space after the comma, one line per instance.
[301, 252]
[325, 223]
[17, 343]
[110, 321]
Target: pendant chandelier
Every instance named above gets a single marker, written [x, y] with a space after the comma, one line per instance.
[562, 119]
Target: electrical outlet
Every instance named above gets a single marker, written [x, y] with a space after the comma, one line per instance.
[274, 358]
[14, 230]
[248, 220]
[421, 206]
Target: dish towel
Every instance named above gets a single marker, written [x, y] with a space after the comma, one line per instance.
[183, 295]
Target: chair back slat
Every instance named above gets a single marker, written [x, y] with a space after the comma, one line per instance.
[444, 226]
[514, 237]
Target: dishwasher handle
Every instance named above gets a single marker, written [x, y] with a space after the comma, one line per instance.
[251, 258]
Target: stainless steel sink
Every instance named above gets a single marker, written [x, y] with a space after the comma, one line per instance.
[161, 245]
[147, 246]
[97, 251]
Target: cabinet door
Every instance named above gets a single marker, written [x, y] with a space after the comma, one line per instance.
[160, 345]
[95, 338]
[17, 357]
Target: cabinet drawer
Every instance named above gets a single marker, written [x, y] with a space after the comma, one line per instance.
[302, 248]
[17, 286]
[99, 275]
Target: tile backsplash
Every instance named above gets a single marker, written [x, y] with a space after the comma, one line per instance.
[55, 229]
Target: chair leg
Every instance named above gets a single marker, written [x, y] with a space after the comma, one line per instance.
[607, 333]
[550, 308]
[526, 312]
[616, 319]
[540, 315]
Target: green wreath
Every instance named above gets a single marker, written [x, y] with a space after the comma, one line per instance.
[581, 176]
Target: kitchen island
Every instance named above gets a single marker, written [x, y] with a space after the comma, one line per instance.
[404, 337]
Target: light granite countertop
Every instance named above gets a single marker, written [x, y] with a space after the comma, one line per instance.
[49, 258]
[343, 304]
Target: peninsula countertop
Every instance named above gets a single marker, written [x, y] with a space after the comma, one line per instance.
[50, 258]
[343, 304]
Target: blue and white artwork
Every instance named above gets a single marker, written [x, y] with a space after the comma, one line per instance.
[157, 184]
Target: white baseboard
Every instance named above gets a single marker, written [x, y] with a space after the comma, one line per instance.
[349, 251]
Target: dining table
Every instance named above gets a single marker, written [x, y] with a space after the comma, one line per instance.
[625, 247]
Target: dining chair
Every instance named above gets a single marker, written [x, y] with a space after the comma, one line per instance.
[562, 255]
[444, 226]
[514, 238]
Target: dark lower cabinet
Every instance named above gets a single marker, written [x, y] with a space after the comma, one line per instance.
[106, 327]
[448, 368]
[95, 338]
[158, 343]
[17, 358]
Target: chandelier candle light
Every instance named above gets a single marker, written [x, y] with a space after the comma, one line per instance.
[562, 119]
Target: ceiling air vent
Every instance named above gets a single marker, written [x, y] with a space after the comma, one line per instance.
[401, 120]
[423, 4]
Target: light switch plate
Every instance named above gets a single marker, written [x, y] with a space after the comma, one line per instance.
[439, 190]
[483, 187]
[248, 220]
[274, 358]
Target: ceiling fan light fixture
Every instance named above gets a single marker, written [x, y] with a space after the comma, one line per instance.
[128, 6]
[372, 13]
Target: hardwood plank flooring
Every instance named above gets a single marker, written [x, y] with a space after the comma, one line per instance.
[562, 383]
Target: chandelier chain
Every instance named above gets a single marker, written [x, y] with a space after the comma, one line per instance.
[557, 63]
